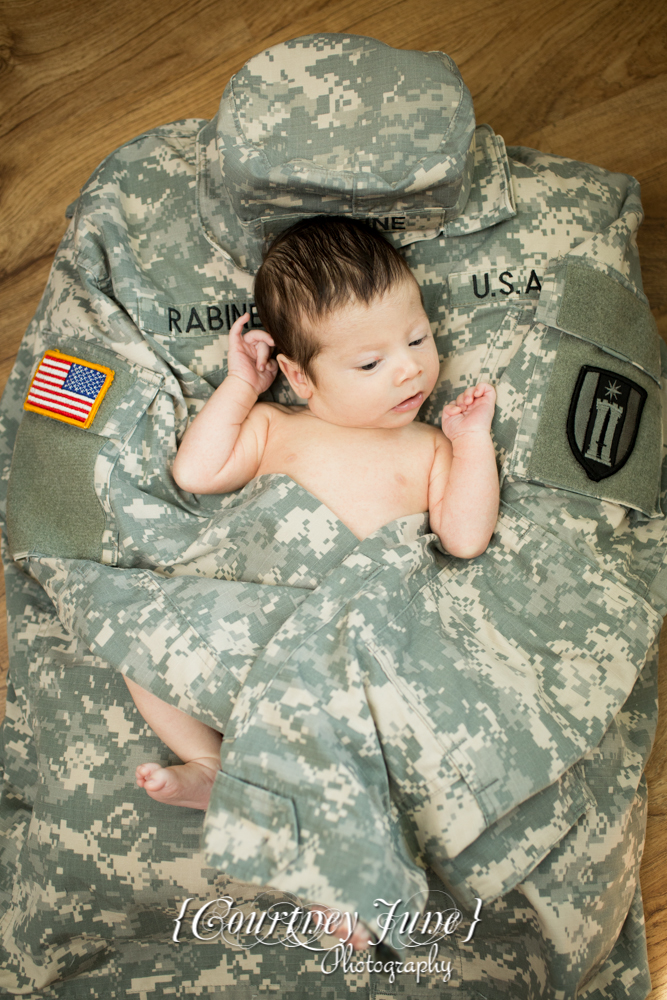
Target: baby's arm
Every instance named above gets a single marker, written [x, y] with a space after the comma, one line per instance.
[463, 487]
[196, 744]
[223, 446]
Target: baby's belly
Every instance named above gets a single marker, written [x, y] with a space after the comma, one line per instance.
[364, 510]
[367, 477]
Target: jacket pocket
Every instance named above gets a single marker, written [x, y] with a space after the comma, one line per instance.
[505, 854]
[586, 392]
[249, 833]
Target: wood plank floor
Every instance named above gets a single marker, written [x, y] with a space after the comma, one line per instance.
[582, 78]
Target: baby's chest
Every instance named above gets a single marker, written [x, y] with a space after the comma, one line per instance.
[364, 468]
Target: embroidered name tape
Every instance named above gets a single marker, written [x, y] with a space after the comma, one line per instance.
[68, 389]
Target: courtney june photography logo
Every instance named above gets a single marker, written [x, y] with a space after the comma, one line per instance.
[272, 920]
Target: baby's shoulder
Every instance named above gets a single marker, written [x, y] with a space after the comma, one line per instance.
[429, 441]
[275, 409]
[426, 432]
[273, 413]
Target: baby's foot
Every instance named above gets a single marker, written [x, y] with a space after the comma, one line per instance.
[360, 938]
[186, 785]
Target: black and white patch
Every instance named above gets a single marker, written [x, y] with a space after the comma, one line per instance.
[603, 421]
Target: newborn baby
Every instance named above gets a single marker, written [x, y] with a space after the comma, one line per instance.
[345, 315]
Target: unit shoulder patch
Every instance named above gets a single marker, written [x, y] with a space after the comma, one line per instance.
[68, 389]
[603, 421]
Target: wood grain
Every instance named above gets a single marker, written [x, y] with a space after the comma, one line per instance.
[582, 78]
[654, 868]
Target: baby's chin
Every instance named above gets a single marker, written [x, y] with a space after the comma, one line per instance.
[394, 421]
[383, 420]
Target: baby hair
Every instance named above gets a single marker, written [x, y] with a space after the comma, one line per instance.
[318, 265]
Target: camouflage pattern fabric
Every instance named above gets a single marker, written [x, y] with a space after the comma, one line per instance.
[397, 722]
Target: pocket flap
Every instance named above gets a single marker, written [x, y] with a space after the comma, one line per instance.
[249, 833]
[505, 854]
[593, 306]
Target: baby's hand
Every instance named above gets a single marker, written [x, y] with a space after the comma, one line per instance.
[471, 413]
[248, 356]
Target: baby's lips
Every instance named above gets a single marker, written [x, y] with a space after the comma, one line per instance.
[411, 403]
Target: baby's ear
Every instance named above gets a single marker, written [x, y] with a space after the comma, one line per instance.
[299, 382]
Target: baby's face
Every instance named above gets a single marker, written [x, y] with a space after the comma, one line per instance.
[378, 362]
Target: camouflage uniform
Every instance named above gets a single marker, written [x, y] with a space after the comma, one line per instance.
[396, 720]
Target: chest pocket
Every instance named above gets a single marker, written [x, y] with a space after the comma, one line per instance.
[580, 405]
[57, 495]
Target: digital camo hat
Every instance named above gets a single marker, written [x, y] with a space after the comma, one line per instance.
[346, 125]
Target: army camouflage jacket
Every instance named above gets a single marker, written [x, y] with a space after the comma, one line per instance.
[529, 271]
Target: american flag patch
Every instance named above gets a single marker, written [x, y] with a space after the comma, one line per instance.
[68, 389]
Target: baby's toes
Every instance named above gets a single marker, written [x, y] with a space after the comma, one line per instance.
[148, 777]
[361, 938]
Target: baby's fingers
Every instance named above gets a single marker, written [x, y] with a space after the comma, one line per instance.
[237, 328]
[262, 356]
[482, 388]
[258, 337]
[260, 342]
[464, 399]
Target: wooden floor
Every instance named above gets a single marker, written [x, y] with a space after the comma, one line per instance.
[583, 78]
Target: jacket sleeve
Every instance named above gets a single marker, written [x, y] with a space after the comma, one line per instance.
[83, 503]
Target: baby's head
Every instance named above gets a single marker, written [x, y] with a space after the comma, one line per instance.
[348, 322]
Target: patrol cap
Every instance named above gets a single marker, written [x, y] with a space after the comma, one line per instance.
[346, 125]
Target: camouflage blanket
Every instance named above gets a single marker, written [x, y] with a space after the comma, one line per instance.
[376, 697]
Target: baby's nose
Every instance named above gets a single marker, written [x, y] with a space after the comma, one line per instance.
[410, 368]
